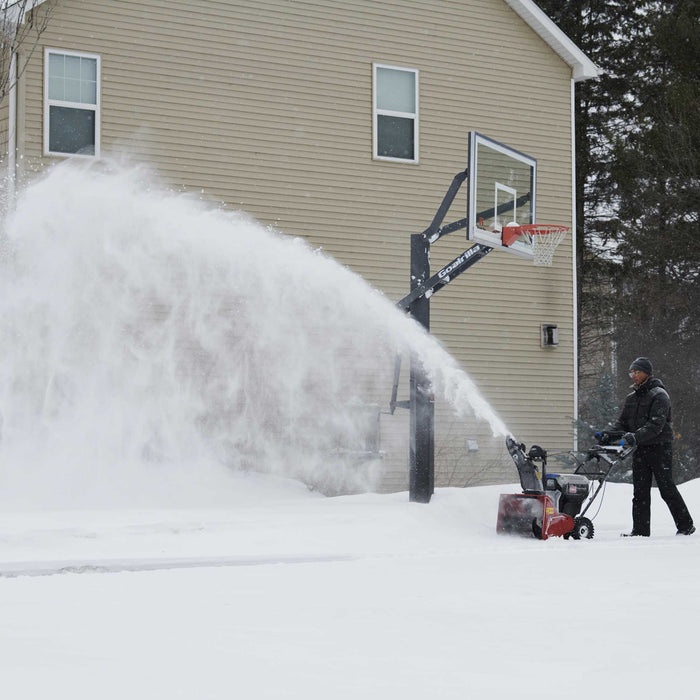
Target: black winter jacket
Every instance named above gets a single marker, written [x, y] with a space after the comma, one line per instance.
[647, 414]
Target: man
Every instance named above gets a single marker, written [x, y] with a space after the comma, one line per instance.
[646, 421]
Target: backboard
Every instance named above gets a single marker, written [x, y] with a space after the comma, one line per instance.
[502, 190]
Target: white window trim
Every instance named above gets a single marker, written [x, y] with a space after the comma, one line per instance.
[77, 105]
[386, 112]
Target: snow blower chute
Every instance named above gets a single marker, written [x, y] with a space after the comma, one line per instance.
[552, 505]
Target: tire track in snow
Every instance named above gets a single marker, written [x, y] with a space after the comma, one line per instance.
[113, 566]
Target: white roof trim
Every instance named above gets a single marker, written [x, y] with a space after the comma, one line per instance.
[582, 66]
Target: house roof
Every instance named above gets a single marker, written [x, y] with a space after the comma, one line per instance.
[582, 66]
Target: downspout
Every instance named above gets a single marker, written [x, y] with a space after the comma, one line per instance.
[573, 256]
[12, 136]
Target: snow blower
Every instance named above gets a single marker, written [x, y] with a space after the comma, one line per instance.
[552, 505]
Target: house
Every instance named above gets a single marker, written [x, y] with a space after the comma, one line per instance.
[344, 123]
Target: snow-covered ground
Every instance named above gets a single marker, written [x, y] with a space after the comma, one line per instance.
[266, 590]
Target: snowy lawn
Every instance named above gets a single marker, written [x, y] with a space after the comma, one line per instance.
[286, 594]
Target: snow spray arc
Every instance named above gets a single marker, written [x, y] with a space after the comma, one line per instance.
[140, 327]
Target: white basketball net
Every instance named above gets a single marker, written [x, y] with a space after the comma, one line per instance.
[544, 240]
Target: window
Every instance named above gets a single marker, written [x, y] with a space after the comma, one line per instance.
[71, 103]
[395, 113]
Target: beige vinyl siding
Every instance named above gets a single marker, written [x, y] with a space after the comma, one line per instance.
[267, 107]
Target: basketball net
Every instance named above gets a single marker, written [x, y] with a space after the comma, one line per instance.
[544, 239]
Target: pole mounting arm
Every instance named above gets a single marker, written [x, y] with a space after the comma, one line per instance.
[444, 276]
[434, 231]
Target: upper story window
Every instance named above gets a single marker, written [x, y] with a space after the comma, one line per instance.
[395, 113]
[71, 103]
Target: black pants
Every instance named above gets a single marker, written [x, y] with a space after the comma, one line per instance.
[648, 461]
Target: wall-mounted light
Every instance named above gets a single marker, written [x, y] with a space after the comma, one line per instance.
[550, 335]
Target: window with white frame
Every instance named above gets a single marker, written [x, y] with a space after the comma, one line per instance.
[395, 123]
[71, 103]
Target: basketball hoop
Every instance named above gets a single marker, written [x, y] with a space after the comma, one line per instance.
[544, 239]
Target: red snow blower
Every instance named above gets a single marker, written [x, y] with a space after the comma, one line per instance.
[552, 505]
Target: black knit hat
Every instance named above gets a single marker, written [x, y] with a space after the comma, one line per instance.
[643, 365]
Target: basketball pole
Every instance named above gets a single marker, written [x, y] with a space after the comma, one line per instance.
[421, 403]
[483, 229]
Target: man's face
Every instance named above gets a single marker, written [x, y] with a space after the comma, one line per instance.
[638, 377]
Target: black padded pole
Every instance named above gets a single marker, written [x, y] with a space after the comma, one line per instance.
[422, 408]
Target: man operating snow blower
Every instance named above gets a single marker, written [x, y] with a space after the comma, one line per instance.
[645, 421]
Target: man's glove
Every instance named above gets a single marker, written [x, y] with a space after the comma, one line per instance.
[629, 439]
[602, 438]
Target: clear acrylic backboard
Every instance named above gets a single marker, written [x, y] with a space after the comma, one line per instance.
[502, 191]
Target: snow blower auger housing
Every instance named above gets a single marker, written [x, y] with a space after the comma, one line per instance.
[552, 505]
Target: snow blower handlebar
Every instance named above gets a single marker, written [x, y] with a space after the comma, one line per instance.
[608, 437]
[613, 453]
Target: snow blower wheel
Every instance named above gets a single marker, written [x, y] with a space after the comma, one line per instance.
[583, 529]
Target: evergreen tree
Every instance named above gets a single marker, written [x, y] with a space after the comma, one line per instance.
[608, 32]
[638, 186]
[657, 175]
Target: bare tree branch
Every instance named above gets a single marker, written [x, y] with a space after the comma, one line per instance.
[22, 22]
